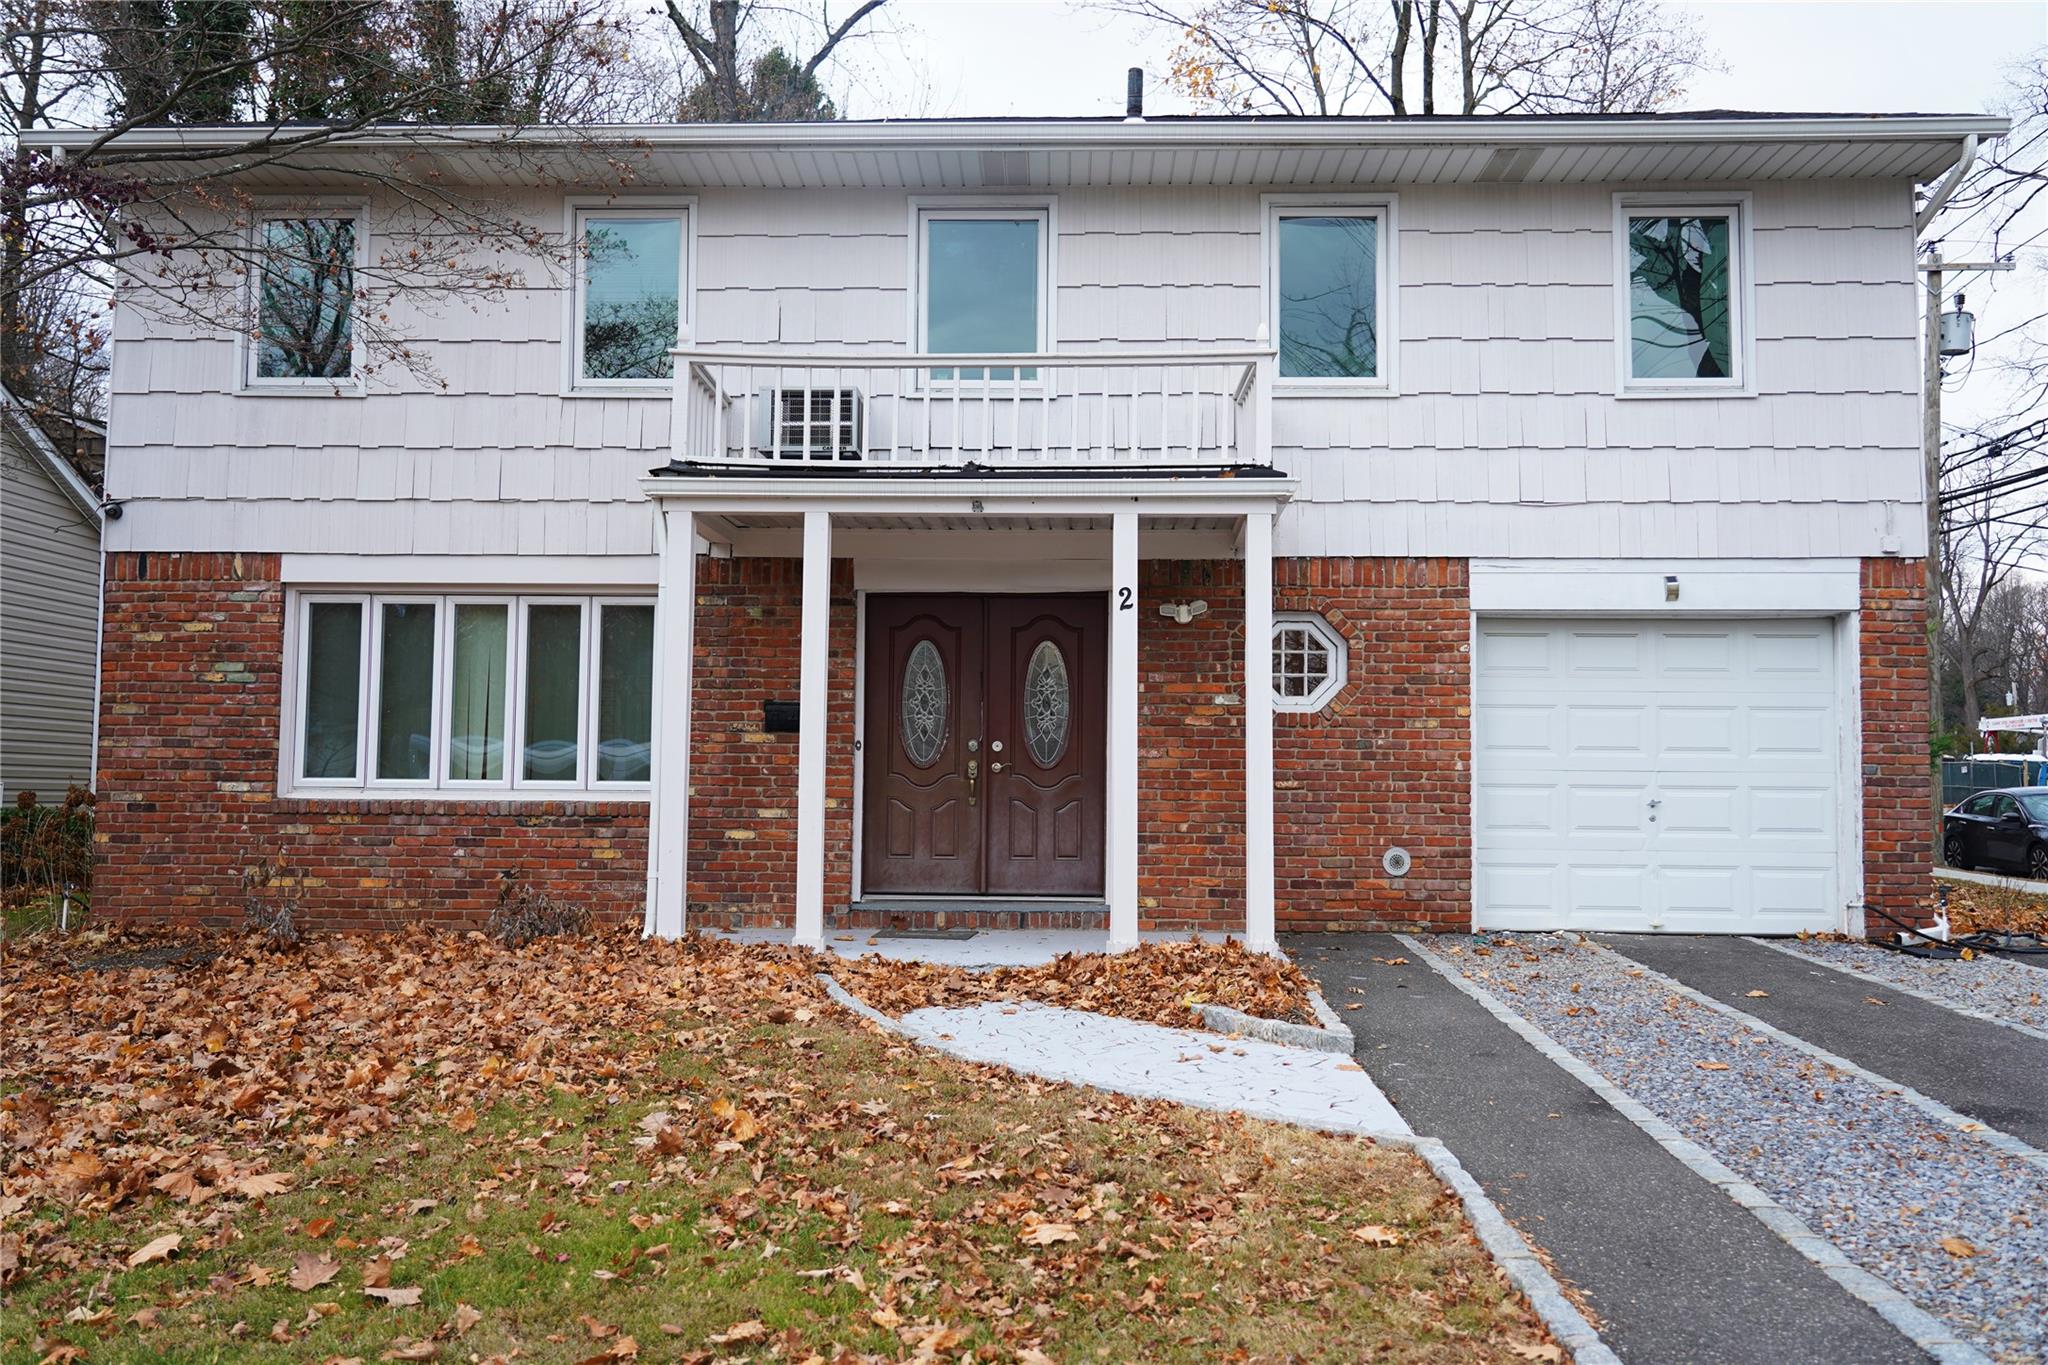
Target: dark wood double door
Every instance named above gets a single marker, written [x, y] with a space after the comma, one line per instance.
[984, 745]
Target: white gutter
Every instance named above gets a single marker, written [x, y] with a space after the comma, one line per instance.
[1053, 135]
[1939, 199]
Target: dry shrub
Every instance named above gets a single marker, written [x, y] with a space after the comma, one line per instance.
[525, 913]
[270, 905]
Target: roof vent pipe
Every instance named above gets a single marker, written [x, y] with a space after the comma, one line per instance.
[1134, 94]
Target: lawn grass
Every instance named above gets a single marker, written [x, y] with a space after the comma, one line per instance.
[756, 1176]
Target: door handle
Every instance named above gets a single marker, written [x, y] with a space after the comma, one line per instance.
[973, 778]
[994, 768]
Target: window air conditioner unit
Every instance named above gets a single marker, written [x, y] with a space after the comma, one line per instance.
[811, 424]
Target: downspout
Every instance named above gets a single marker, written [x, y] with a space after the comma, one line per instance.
[1947, 188]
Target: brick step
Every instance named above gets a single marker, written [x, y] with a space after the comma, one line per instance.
[936, 915]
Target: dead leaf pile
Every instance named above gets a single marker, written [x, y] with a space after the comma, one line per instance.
[1155, 983]
[1974, 909]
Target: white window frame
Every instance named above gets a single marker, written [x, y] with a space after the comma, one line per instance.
[250, 349]
[444, 665]
[924, 211]
[597, 608]
[1741, 293]
[373, 678]
[1333, 641]
[295, 749]
[584, 694]
[576, 209]
[1383, 208]
[511, 783]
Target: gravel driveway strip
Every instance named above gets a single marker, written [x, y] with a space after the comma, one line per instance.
[1953, 1223]
[1993, 987]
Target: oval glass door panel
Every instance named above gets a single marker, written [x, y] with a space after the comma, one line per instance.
[1048, 704]
[924, 704]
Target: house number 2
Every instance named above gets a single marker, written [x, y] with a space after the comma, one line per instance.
[1123, 599]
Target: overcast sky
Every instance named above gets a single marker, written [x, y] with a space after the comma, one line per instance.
[984, 57]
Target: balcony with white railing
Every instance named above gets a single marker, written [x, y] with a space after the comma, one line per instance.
[1126, 409]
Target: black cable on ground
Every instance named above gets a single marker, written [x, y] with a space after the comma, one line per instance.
[1946, 949]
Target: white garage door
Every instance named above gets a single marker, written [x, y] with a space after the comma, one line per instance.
[1638, 775]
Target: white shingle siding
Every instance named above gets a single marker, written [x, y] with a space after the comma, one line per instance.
[49, 627]
[1506, 436]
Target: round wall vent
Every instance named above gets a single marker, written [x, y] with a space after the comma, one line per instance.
[1396, 862]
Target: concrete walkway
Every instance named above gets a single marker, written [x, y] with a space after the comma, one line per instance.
[1324, 1090]
[1991, 1073]
[1676, 1269]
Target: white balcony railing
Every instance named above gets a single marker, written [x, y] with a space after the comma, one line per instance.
[744, 404]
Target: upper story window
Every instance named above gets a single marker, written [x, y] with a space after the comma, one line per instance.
[631, 294]
[1328, 285]
[305, 283]
[983, 285]
[400, 692]
[1684, 318]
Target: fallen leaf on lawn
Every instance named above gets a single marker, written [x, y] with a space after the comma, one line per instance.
[1544, 1351]
[62, 1355]
[88, 1316]
[1031, 1355]
[319, 1227]
[465, 1318]
[408, 1297]
[1960, 1246]
[158, 1250]
[598, 1330]
[753, 1329]
[377, 1272]
[1711, 1066]
[1754, 995]
[462, 1120]
[268, 1183]
[1045, 1234]
[310, 1271]
[1372, 1234]
[403, 1349]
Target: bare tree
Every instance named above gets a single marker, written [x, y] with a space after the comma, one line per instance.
[740, 75]
[1325, 57]
[298, 83]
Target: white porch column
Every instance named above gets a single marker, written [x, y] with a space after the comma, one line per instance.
[1120, 848]
[1258, 732]
[812, 683]
[668, 811]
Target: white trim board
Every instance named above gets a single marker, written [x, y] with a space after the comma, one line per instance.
[1636, 587]
[544, 571]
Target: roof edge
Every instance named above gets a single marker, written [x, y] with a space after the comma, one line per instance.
[1057, 134]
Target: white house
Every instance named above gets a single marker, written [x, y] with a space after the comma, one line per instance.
[1236, 523]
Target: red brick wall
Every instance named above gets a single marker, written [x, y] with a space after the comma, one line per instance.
[188, 778]
[1898, 810]
[742, 779]
[1384, 763]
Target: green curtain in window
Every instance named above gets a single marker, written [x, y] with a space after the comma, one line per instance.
[625, 694]
[334, 648]
[477, 686]
[554, 661]
[405, 693]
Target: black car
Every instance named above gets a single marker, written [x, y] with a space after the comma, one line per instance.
[2006, 829]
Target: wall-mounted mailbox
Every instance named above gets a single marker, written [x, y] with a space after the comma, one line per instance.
[780, 717]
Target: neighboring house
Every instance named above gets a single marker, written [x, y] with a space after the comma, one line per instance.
[1224, 523]
[49, 613]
